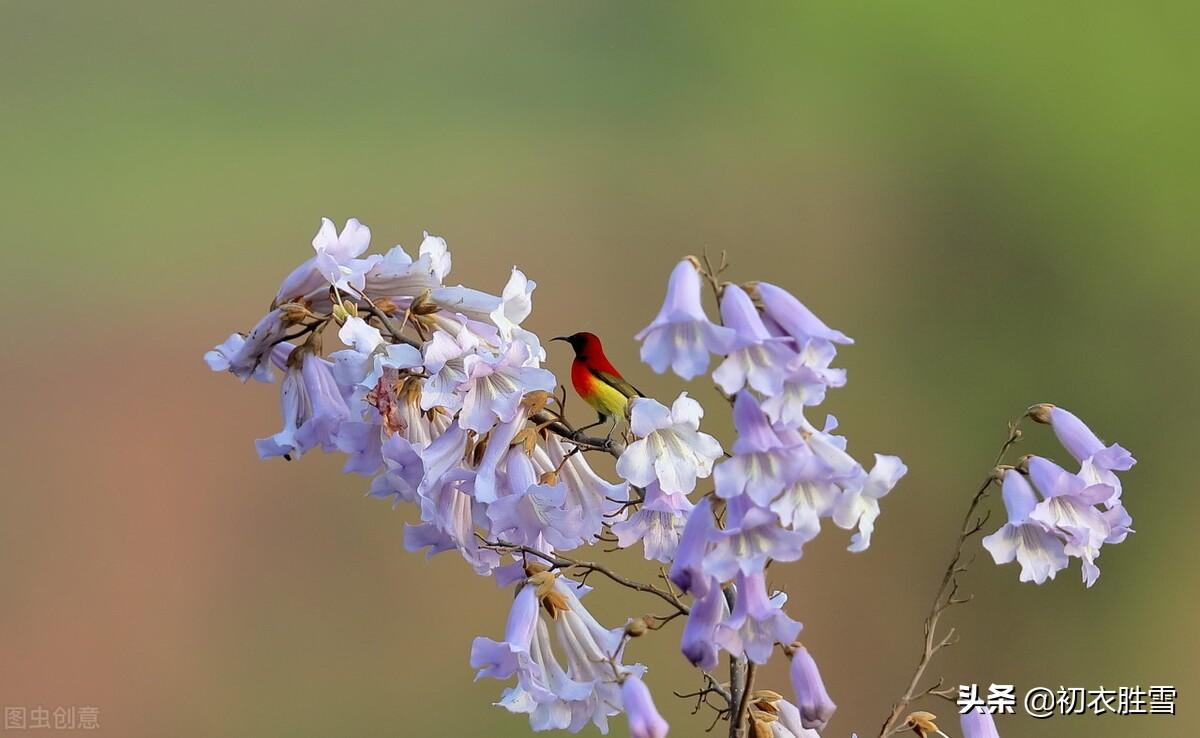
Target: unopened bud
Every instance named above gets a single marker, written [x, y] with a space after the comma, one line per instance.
[635, 628]
[1040, 413]
[294, 312]
[423, 304]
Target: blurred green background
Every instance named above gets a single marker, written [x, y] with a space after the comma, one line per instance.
[998, 201]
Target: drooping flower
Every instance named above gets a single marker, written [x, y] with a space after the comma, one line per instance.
[1069, 506]
[1098, 462]
[808, 377]
[598, 500]
[644, 720]
[1034, 546]
[670, 447]
[698, 643]
[681, 336]
[752, 537]
[756, 358]
[501, 659]
[699, 532]
[658, 524]
[312, 406]
[496, 384]
[532, 514]
[812, 700]
[757, 622]
[793, 318]
[762, 464]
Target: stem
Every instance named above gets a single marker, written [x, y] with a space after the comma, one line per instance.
[562, 428]
[947, 594]
[736, 727]
[738, 680]
[562, 562]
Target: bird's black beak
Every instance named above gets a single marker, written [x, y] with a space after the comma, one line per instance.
[561, 338]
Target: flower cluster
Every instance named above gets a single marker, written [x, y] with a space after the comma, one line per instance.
[438, 393]
[1054, 514]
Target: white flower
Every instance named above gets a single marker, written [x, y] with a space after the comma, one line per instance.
[670, 447]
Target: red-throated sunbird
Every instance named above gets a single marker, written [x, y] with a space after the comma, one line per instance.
[597, 381]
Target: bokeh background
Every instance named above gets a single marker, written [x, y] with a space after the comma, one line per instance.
[998, 200]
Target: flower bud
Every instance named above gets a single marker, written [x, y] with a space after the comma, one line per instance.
[922, 724]
[1040, 413]
[635, 628]
[644, 720]
[811, 698]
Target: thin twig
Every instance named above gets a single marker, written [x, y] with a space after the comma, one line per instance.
[947, 594]
[559, 561]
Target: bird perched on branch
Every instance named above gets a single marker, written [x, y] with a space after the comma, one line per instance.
[597, 381]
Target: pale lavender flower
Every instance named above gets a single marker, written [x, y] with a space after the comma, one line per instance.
[501, 659]
[644, 720]
[793, 318]
[978, 723]
[221, 358]
[757, 622]
[803, 504]
[670, 447]
[698, 643]
[762, 464]
[807, 379]
[598, 500]
[657, 524]
[1098, 462]
[756, 358]
[336, 252]
[244, 359]
[1069, 506]
[859, 505]
[1034, 546]
[752, 537]
[312, 406]
[403, 471]
[399, 278]
[496, 384]
[681, 336]
[812, 699]
[533, 514]
[445, 362]
[687, 571]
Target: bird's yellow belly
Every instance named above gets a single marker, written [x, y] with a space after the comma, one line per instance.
[604, 399]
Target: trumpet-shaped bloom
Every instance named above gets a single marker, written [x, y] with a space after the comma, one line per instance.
[698, 643]
[1035, 547]
[756, 358]
[1098, 462]
[336, 252]
[808, 377]
[757, 622]
[533, 514]
[752, 538]
[670, 448]
[681, 336]
[657, 524]
[501, 659]
[762, 464]
[644, 720]
[687, 568]
[793, 318]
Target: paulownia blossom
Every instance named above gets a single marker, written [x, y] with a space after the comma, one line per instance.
[440, 394]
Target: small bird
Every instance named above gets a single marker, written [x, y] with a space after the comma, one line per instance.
[597, 381]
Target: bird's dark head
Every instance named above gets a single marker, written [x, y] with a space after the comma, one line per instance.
[585, 344]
